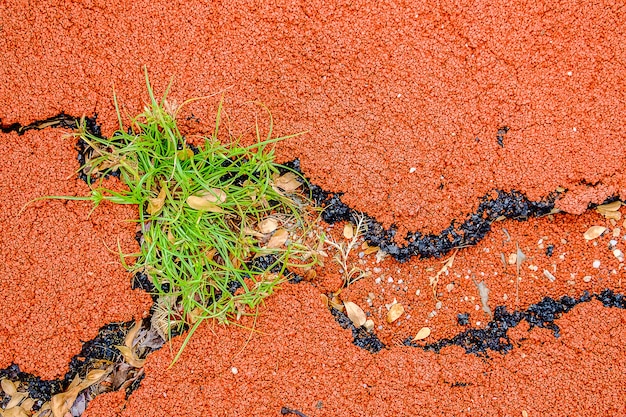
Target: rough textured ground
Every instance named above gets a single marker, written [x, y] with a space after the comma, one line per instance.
[415, 112]
[401, 85]
[60, 282]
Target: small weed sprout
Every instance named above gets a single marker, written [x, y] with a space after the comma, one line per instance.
[351, 274]
[220, 223]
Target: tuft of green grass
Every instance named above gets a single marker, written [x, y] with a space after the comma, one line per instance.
[205, 213]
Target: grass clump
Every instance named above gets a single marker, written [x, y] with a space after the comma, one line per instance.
[207, 214]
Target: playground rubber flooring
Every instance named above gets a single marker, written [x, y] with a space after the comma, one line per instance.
[482, 141]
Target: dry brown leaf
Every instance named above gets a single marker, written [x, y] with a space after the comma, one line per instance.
[214, 195]
[130, 336]
[325, 300]
[130, 357]
[371, 249]
[155, 204]
[593, 232]
[287, 182]
[446, 265]
[614, 206]
[200, 203]
[336, 303]
[14, 412]
[355, 314]
[348, 231]
[268, 225]
[16, 399]
[8, 387]
[170, 237]
[423, 333]
[278, 239]
[61, 403]
[369, 325]
[28, 404]
[394, 312]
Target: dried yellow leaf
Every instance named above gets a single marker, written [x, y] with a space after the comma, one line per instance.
[371, 249]
[61, 403]
[268, 225]
[348, 231]
[130, 336]
[16, 399]
[423, 333]
[325, 300]
[593, 232]
[278, 239]
[130, 357]
[394, 313]
[214, 195]
[28, 404]
[355, 314]
[614, 206]
[155, 204]
[14, 412]
[200, 203]
[8, 387]
[369, 325]
[336, 303]
[184, 154]
[287, 182]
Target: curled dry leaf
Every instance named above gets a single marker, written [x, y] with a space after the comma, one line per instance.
[278, 239]
[287, 182]
[156, 204]
[369, 325]
[8, 387]
[132, 333]
[268, 225]
[202, 204]
[394, 312]
[131, 357]
[61, 403]
[593, 232]
[423, 333]
[348, 231]
[355, 314]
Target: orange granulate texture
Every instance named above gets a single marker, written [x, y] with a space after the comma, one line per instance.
[60, 278]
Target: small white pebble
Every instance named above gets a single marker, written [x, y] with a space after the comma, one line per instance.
[574, 129]
[618, 254]
[418, 292]
[389, 279]
[377, 270]
[477, 307]
[569, 73]
[234, 370]
[377, 280]
[400, 281]
[587, 278]
[412, 170]
[449, 287]
[478, 323]
[596, 264]
[438, 305]
[505, 297]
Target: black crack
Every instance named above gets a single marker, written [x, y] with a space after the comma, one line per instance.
[494, 337]
[362, 338]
